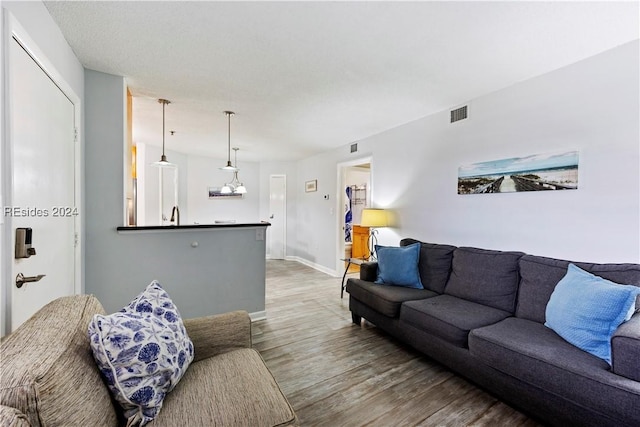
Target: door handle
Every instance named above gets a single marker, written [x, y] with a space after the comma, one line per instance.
[21, 279]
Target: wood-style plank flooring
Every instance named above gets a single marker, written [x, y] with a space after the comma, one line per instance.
[337, 374]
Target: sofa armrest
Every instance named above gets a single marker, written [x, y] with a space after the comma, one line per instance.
[12, 417]
[625, 349]
[219, 333]
[369, 271]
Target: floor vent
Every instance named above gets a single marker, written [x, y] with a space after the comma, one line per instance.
[459, 114]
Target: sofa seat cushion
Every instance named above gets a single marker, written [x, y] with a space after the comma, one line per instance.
[485, 276]
[385, 299]
[449, 318]
[230, 389]
[535, 354]
[47, 371]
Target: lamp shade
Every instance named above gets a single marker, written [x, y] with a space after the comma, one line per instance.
[374, 218]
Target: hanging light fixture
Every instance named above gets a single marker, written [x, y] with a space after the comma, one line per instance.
[229, 166]
[235, 186]
[163, 163]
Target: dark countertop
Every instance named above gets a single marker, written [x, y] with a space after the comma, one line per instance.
[195, 226]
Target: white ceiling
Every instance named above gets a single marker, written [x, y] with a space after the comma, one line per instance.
[306, 77]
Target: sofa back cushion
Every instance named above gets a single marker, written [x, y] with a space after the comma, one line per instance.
[434, 264]
[48, 372]
[485, 276]
[539, 277]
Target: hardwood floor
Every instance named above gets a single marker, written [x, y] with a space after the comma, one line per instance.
[337, 374]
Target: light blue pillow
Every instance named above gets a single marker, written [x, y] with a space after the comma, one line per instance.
[586, 310]
[399, 266]
[142, 352]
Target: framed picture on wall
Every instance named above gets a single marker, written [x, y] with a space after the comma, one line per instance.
[216, 193]
[538, 172]
[311, 186]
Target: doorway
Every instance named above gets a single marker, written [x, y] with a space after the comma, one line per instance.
[354, 194]
[41, 175]
[277, 233]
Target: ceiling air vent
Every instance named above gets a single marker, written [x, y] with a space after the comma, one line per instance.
[459, 114]
[354, 148]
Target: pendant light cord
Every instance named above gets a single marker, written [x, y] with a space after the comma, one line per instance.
[229, 114]
[163, 105]
[164, 102]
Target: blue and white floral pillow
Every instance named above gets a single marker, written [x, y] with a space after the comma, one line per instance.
[142, 352]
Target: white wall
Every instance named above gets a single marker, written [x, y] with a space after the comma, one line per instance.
[204, 172]
[591, 106]
[319, 221]
[149, 184]
[195, 175]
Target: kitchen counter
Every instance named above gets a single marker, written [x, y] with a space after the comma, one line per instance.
[192, 227]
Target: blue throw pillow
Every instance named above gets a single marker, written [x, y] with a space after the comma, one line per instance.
[142, 352]
[399, 266]
[586, 310]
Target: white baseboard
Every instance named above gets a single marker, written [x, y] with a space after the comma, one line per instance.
[313, 265]
[258, 315]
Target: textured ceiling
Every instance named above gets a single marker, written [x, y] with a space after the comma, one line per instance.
[305, 77]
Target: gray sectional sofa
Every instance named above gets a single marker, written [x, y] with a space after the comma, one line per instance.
[482, 314]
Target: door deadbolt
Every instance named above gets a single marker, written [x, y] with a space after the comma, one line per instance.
[23, 243]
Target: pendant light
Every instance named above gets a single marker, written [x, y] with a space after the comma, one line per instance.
[163, 163]
[229, 166]
[235, 186]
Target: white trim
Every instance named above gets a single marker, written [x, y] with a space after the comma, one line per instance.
[5, 181]
[258, 315]
[320, 268]
[13, 30]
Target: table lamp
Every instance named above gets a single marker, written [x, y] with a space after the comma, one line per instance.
[373, 218]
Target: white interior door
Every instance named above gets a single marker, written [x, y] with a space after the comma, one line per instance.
[43, 189]
[276, 234]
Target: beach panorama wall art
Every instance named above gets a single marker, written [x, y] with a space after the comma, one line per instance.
[539, 172]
